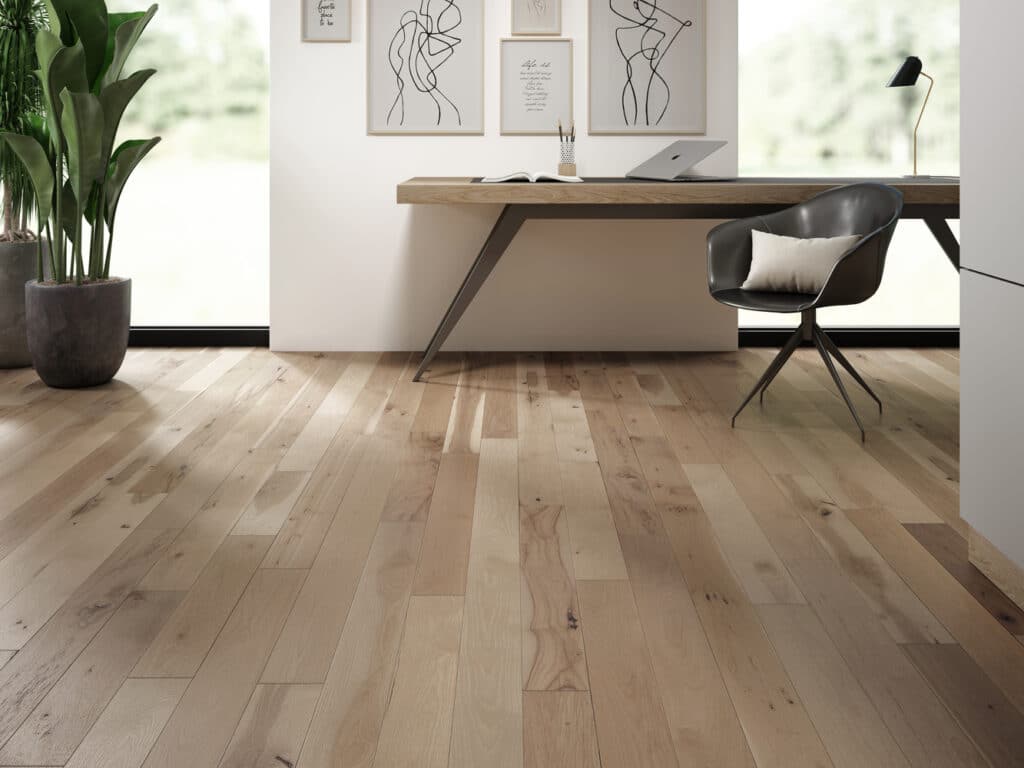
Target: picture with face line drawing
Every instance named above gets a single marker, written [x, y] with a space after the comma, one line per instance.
[536, 17]
[647, 66]
[425, 68]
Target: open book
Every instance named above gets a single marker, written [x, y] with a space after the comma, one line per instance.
[533, 178]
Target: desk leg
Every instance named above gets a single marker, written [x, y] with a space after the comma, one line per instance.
[497, 243]
[940, 229]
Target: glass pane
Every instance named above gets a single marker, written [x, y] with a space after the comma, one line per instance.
[192, 228]
[813, 103]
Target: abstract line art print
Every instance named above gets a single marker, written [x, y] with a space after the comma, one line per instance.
[425, 68]
[648, 66]
[536, 17]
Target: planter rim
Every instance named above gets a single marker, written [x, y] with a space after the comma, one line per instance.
[86, 285]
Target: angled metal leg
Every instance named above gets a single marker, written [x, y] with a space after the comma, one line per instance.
[806, 330]
[497, 243]
[773, 369]
[839, 383]
[831, 347]
[941, 231]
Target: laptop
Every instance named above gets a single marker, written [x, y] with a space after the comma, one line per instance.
[673, 162]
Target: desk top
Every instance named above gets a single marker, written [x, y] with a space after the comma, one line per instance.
[743, 191]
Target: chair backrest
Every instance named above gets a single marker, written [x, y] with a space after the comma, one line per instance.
[856, 209]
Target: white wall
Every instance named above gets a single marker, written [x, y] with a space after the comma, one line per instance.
[992, 310]
[351, 270]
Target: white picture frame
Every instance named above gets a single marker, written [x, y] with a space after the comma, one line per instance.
[444, 93]
[536, 85]
[537, 17]
[633, 93]
[327, 21]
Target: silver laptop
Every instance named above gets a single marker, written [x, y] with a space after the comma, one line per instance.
[675, 161]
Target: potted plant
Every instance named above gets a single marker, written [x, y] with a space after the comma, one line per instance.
[78, 322]
[20, 102]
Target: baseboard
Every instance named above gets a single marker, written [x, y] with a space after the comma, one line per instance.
[259, 336]
[200, 337]
[947, 338]
[1000, 569]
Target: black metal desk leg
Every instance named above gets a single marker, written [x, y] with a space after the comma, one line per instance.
[497, 243]
[940, 229]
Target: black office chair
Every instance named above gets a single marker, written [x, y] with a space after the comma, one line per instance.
[871, 210]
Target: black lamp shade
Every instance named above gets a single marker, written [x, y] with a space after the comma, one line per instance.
[906, 74]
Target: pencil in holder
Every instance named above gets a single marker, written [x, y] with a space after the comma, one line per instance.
[567, 159]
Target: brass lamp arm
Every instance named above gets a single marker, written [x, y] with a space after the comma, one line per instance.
[931, 84]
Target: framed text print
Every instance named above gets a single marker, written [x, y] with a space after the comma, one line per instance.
[536, 17]
[327, 21]
[425, 68]
[648, 66]
[536, 85]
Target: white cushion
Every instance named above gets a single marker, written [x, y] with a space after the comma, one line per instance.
[793, 265]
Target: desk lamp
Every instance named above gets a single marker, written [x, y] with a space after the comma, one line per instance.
[905, 76]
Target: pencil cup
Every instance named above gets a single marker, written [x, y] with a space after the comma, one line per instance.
[567, 159]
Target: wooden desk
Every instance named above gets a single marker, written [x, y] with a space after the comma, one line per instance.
[935, 201]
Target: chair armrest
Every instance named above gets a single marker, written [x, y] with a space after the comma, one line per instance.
[729, 252]
[857, 276]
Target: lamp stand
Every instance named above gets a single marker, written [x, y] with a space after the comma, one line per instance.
[931, 84]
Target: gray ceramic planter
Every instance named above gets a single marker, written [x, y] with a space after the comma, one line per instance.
[17, 266]
[78, 335]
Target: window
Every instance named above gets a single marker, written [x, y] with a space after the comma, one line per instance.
[812, 103]
[193, 225]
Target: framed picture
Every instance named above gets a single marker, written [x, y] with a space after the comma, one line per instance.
[536, 17]
[648, 66]
[536, 86]
[425, 66]
[327, 21]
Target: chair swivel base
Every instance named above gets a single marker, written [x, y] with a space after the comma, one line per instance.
[809, 330]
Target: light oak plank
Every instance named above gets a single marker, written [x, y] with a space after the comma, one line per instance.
[596, 553]
[920, 724]
[128, 727]
[465, 428]
[558, 730]
[66, 714]
[631, 726]
[417, 725]
[202, 725]
[500, 417]
[849, 725]
[414, 482]
[303, 654]
[487, 727]
[180, 647]
[272, 728]
[444, 558]
[347, 722]
[980, 707]
[272, 504]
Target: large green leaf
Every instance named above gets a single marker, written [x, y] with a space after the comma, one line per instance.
[65, 71]
[114, 23]
[82, 122]
[115, 98]
[125, 38]
[37, 164]
[125, 160]
[85, 21]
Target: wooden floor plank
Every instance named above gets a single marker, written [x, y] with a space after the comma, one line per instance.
[272, 727]
[845, 718]
[487, 723]
[205, 719]
[446, 540]
[417, 727]
[180, 647]
[129, 726]
[347, 723]
[558, 730]
[632, 731]
[596, 553]
[982, 709]
[272, 504]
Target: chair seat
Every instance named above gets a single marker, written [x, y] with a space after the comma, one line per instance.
[764, 301]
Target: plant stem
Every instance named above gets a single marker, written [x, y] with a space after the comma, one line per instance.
[62, 274]
[8, 213]
[53, 263]
[77, 244]
[110, 246]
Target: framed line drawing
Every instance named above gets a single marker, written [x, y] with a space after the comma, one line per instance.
[536, 17]
[536, 86]
[648, 66]
[425, 67]
[327, 21]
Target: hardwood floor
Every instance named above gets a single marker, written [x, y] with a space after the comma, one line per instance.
[234, 558]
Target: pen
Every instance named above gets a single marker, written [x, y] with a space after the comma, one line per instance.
[561, 136]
